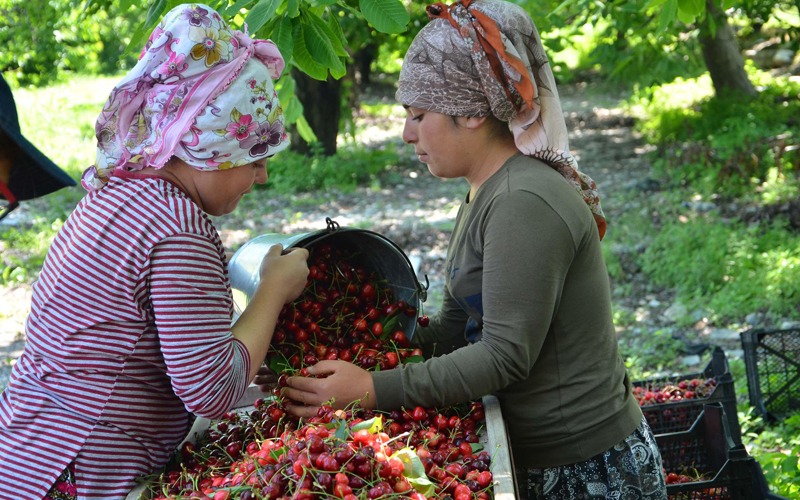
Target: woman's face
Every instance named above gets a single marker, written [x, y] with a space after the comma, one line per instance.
[437, 141]
[221, 190]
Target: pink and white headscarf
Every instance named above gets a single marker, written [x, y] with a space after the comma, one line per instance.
[201, 91]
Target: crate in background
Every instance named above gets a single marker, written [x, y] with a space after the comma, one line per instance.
[708, 449]
[772, 359]
[666, 418]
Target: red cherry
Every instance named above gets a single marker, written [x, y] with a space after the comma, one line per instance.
[367, 291]
[423, 320]
[419, 414]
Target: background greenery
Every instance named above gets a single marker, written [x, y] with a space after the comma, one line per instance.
[727, 237]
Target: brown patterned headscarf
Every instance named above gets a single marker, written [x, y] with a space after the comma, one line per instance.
[485, 57]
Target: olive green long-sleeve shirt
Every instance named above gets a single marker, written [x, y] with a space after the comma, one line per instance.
[527, 285]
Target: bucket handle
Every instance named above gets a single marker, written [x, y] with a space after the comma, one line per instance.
[333, 228]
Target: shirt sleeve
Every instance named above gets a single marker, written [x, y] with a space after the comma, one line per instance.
[527, 251]
[191, 301]
[451, 320]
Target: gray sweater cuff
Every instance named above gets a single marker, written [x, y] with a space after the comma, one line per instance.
[389, 393]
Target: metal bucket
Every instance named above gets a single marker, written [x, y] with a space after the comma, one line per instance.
[374, 252]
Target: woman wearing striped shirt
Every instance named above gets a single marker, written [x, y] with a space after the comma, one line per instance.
[130, 328]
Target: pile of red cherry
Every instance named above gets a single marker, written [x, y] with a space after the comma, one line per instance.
[350, 454]
[344, 313]
[673, 393]
[348, 314]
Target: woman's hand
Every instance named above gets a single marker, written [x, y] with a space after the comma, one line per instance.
[285, 273]
[265, 378]
[345, 383]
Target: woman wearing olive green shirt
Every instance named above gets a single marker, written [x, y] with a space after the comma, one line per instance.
[526, 283]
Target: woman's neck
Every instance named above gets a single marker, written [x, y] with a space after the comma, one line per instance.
[179, 176]
[494, 155]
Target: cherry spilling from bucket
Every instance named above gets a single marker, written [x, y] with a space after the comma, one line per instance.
[344, 313]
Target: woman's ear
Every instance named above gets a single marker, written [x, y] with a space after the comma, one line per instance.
[472, 122]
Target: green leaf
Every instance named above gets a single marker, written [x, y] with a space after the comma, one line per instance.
[154, 14]
[685, 17]
[340, 73]
[221, 132]
[324, 3]
[260, 14]
[277, 452]
[292, 110]
[286, 88]
[342, 432]
[318, 44]
[389, 324]
[305, 131]
[236, 7]
[336, 28]
[387, 16]
[413, 359]
[667, 15]
[282, 36]
[373, 425]
[335, 42]
[476, 447]
[564, 5]
[293, 8]
[692, 7]
[304, 61]
[422, 485]
[137, 41]
[653, 3]
[412, 465]
[278, 364]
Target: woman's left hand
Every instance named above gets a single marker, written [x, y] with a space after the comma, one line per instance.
[345, 383]
[265, 378]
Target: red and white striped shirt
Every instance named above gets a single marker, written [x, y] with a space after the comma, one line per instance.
[129, 332]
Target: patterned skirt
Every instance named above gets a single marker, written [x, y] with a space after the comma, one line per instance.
[64, 487]
[631, 470]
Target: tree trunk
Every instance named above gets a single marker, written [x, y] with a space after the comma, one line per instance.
[721, 54]
[322, 108]
[362, 60]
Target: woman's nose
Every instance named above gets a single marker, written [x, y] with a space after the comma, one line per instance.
[261, 175]
[409, 132]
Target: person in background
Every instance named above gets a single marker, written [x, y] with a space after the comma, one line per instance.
[25, 172]
[526, 283]
[130, 327]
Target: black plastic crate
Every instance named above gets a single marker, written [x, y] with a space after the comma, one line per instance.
[772, 358]
[666, 418]
[708, 449]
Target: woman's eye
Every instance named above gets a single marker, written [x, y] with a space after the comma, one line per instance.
[417, 118]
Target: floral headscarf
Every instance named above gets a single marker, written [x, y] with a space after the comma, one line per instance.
[201, 92]
[485, 57]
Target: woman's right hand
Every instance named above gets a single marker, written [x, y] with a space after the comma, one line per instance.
[285, 273]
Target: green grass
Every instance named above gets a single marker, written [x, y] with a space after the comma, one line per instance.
[60, 119]
[732, 145]
[729, 269]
